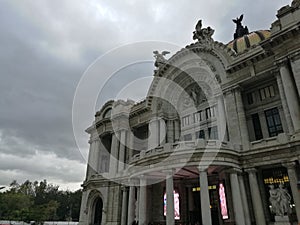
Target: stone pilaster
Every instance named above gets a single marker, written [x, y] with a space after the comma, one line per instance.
[293, 183]
[291, 94]
[256, 197]
[232, 120]
[284, 104]
[177, 130]
[153, 140]
[94, 157]
[242, 118]
[222, 119]
[170, 131]
[122, 150]
[113, 164]
[295, 64]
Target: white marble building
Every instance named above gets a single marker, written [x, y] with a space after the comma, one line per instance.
[219, 125]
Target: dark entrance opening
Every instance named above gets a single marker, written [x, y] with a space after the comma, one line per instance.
[98, 211]
[195, 216]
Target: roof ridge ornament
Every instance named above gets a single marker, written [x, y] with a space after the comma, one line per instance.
[204, 35]
[240, 30]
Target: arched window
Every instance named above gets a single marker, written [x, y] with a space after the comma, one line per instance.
[107, 114]
[98, 207]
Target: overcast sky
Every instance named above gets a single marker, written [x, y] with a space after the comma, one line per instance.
[46, 47]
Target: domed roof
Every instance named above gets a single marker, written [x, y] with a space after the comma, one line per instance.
[239, 45]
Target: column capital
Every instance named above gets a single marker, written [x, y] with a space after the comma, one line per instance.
[237, 171]
[169, 172]
[251, 170]
[281, 62]
[202, 168]
[143, 180]
[132, 181]
[294, 56]
[124, 188]
[289, 165]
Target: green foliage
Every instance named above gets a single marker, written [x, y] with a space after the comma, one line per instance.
[39, 201]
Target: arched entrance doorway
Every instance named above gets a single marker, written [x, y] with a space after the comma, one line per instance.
[97, 211]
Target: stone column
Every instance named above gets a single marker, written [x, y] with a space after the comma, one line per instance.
[256, 197]
[113, 165]
[242, 118]
[176, 130]
[122, 150]
[143, 201]
[291, 94]
[293, 183]
[204, 197]
[131, 205]
[244, 200]
[284, 104]
[137, 206]
[153, 133]
[170, 218]
[237, 199]
[221, 120]
[124, 207]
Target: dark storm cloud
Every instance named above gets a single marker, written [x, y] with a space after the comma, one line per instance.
[47, 45]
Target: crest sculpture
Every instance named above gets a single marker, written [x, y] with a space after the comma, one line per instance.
[203, 35]
[240, 30]
[160, 58]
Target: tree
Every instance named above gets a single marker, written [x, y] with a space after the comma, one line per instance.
[39, 201]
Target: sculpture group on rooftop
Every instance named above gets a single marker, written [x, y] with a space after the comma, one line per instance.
[202, 34]
[240, 30]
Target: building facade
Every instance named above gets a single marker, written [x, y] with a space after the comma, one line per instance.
[216, 141]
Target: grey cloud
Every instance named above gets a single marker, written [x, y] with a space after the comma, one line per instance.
[47, 45]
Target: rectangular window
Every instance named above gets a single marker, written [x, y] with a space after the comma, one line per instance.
[210, 112]
[267, 92]
[250, 98]
[213, 133]
[198, 116]
[200, 134]
[213, 111]
[186, 120]
[207, 113]
[262, 94]
[273, 122]
[187, 137]
[257, 127]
